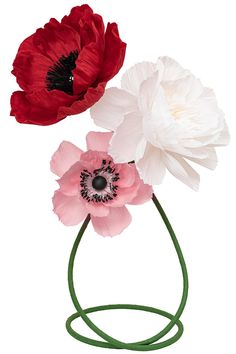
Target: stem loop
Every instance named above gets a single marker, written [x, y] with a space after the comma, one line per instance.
[152, 343]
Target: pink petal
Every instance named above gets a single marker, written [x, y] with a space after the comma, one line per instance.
[144, 194]
[70, 182]
[92, 160]
[127, 174]
[98, 141]
[113, 224]
[65, 156]
[124, 195]
[70, 210]
[134, 191]
[97, 209]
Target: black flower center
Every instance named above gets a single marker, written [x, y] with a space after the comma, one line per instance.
[60, 76]
[99, 183]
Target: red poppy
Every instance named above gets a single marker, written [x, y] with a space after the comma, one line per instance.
[63, 68]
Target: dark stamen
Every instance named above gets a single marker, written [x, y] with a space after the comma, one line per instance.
[102, 191]
[60, 76]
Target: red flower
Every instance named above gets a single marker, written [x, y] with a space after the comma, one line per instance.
[63, 68]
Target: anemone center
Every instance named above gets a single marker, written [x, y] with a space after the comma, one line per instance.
[99, 183]
[60, 75]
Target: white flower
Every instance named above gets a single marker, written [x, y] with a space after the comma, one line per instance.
[161, 117]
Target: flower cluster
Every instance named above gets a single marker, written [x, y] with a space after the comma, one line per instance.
[162, 118]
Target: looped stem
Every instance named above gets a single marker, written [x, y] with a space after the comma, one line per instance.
[152, 343]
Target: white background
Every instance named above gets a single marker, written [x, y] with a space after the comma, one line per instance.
[140, 265]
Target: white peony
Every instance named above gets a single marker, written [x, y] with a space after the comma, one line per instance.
[161, 117]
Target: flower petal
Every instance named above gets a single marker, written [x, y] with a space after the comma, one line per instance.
[127, 174]
[109, 112]
[134, 77]
[128, 185]
[144, 194]
[70, 182]
[92, 95]
[223, 138]
[70, 210]
[113, 59]
[98, 141]
[88, 66]
[90, 26]
[151, 167]
[66, 155]
[26, 112]
[92, 160]
[113, 224]
[97, 209]
[172, 69]
[39, 107]
[31, 68]
[182, 170]
[210, 161]
[128, 142]
[152, 99]
[56, 40]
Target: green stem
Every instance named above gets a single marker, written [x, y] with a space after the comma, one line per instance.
[110, 342]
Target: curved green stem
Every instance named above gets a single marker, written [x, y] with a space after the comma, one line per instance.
[152, 343]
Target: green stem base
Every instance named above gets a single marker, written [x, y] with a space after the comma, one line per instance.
[152, 343]
[145, 347]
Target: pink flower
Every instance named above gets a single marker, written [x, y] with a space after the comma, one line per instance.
[91, 183]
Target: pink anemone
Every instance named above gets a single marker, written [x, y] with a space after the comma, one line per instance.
[91, 183]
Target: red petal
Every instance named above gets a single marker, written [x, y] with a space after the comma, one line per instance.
[24, 112]
[114, 53]
[89, 25]
[31, 70]
[89, 99]
[56, 40]
[39, 107]
[76, 14]
[88, 66]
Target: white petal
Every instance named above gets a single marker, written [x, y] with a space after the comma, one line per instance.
[172, 69]
[182, 91]
[209, 162]
[160, 129]
[150, 92]
[128, 143]
[133, 78]
[223, 138]
[151, 167]
[109, 111]
[197, 153]
[155, 111]
[182, 170]
[202, 119]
